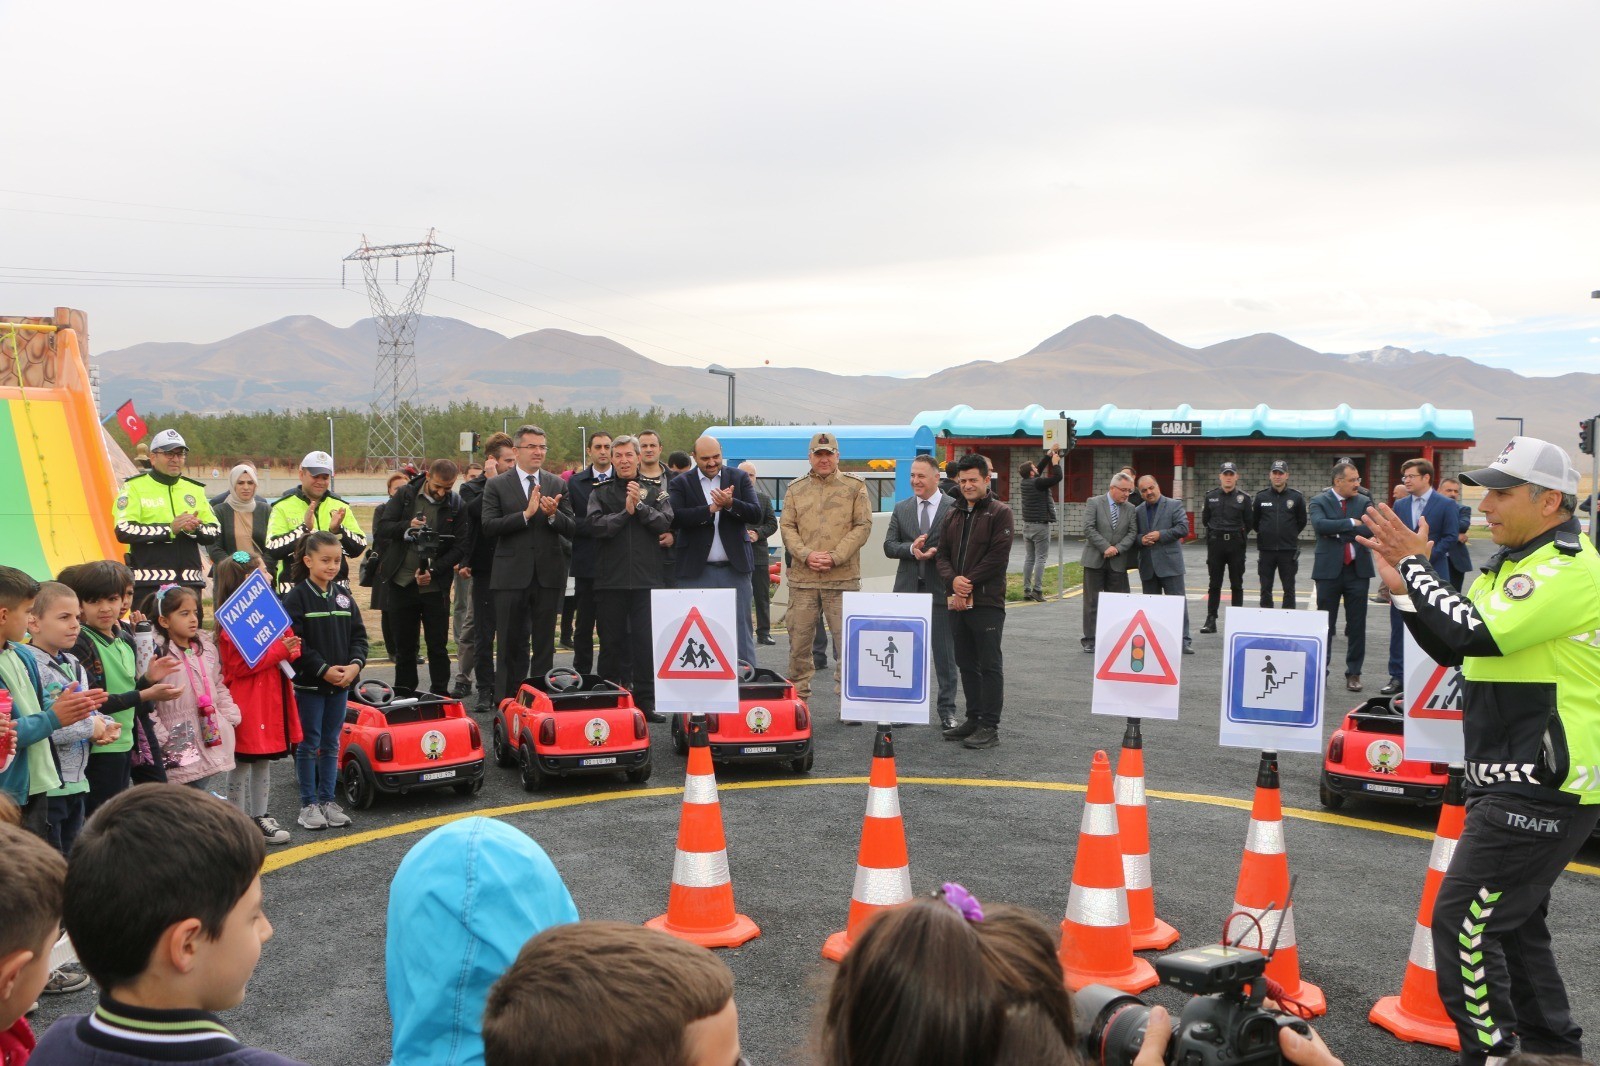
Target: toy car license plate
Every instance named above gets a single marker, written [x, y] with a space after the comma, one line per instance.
[609, 760]
[760, 749]
[437, 775]
[1392, 790]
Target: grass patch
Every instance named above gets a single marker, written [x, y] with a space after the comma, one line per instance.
[1074, 577]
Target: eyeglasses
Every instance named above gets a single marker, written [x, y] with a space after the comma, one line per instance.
[533, 447]
[179, 452]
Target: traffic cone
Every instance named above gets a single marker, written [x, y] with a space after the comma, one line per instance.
[1417, 1014]
[1264, 883]
[883, 867]
[1096, 939]
[700, 903]
[1133, 827]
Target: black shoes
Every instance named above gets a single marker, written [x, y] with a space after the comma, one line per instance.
[652, 716]
[485, 704]
[1210, 626]
[461, 689]
[962, 731]
[1352, 682]
[985, 736]
[1088, 645]
[766, 640]
[1393, 688]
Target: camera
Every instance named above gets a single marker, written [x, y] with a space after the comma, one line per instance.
[1223, 1025]
[429, 544]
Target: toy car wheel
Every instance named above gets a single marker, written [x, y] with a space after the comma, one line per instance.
[802, 765]
[639, 776]
[358, 787]
[468, 788]
[503, 755]
[528, 762]
[1327, 796]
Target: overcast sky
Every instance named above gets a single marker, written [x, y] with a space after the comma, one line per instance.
[894, 187]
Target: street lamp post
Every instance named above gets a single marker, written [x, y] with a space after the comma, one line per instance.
[1511, 418]
[722, 371]
[334, 466]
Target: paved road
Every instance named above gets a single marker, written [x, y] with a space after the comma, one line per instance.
[318, 994]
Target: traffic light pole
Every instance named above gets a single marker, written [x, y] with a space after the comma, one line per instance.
[1594, 486]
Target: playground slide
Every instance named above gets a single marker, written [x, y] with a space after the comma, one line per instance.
[57, 489]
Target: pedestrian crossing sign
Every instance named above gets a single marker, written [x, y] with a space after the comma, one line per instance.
[885, 655]
[1432, 707]
[1274, 667]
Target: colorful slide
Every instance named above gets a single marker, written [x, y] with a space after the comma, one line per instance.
[57, 488]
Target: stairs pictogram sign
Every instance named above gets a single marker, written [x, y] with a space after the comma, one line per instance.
[1436, 691]
[1139, 633]
[685, 651]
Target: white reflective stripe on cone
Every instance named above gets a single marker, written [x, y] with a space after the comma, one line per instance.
[1439, 858]
[1264, 838]
[1099, 907]
[882, 888]
[1136, 871]
[1242, 932]
[700, 788]
[1099, 820]
[1422, 947]
[883, 802]
[700, 869]
[1130, 792]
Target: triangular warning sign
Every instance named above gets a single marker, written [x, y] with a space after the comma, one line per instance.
[1142, 646]
[691, 659]
[1439, 698]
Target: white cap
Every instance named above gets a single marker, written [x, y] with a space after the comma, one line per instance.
[167, 440]
[1527, 461]
[317, 463]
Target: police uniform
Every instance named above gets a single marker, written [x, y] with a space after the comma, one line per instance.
[821, 514]
[286, 525]
[1527, 639]
[1226, 516]
[145, 510]
[1278, 519]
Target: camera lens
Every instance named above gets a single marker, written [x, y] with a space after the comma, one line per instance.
[1110, 1025]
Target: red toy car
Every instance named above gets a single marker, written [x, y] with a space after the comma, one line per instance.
[1366, 757]
[773, 724]
[566, 724]
[399, 740]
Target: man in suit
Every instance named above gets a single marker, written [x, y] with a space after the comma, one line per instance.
[478, 567]
[580, 629]
[1460, 554]
[1162, 525]
[527, 510]
[761, 559]
[913, 538]
[1342, 568]
[712, 507]
[1110, 528]
[1443, 515]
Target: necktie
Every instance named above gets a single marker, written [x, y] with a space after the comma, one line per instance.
[922, 522]
[1113, 511]
[1349, 546]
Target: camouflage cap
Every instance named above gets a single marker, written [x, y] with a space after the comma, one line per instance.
[824, 442]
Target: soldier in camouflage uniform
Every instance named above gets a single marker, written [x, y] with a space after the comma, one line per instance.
[826, 519]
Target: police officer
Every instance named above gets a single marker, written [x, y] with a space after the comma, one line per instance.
[1226, 516]
[163, 518]
[1278, 514]
[312, 506]
[1524, 637]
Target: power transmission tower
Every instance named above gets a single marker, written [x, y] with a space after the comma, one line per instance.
[394, 432]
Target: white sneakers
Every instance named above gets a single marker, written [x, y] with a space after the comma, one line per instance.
[311, 817]
[334, 815]
[320, 816]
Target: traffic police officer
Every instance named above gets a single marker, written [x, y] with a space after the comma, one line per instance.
[1278, 514]
[825, 521]
[1527, 639]
[1226, 516]
[163, 518]
[311, 506]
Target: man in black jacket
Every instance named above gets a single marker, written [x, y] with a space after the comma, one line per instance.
[1038, 515]
[422, 536]
[974, 548]
[712, 507]
[626, 521]
[580, 629]
[1278, 515]
[760, 574]
[477, 563]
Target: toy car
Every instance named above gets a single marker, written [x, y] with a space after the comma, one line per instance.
[1366, 757]
[773, 724]
[566, 724]
[400, 740]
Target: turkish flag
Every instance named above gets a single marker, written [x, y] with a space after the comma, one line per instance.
[130, 421]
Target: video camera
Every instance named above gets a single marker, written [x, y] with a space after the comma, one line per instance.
[429, 544]
[1223, 1025]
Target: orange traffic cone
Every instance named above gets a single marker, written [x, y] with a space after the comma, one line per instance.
[883, 868]
[1096, 940]
[700, 903]
[1133, 826]
[1417, 1014]
[1264, 884]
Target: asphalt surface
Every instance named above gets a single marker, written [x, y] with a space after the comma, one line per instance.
[318, 994]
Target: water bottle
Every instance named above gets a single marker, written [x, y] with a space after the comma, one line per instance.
[144, 648]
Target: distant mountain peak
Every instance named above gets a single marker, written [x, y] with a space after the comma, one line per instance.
[1110, 331]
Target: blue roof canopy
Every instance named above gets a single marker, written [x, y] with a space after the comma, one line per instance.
[1343, 421]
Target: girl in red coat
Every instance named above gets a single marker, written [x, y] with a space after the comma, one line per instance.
[269, 724]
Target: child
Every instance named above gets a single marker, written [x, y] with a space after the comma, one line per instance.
[269, 720]
[332, 653]
[105, 651]
[163, 902]
[32, 771]
[196, 727]
[679, 996]
[31, 882]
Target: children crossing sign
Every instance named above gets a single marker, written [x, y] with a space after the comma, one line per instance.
[1138, 653]
[694, 646]
[1432, 705]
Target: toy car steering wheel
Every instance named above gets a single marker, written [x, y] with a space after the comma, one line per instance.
[563, 679]
[375, 693]
[747, 671]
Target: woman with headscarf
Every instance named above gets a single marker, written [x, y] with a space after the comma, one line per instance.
[243, 516]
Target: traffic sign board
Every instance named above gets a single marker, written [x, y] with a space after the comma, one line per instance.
[1440, 697]
[694, 654]
[1137, 656]
[1145, 661]
[1273, 670]
[885, 653]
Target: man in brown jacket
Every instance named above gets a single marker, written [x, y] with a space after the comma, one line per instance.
[975, 547]
[826, 519]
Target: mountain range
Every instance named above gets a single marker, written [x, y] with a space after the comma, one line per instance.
[302, 361]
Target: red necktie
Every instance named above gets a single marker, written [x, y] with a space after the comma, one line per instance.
[1349, 546]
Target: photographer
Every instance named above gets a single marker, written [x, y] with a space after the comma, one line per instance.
[422, 536]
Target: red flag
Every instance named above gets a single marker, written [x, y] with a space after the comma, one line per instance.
[131, 423]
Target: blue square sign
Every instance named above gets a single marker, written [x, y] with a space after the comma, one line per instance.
[1274, 679]
[886, 659]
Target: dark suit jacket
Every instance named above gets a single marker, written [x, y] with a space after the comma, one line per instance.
[584, 550]
[1443, 516]
[692, 518]
[903, 529]
[1164, 558]
[1334, 531]
[527, 552]
[1460, 554]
